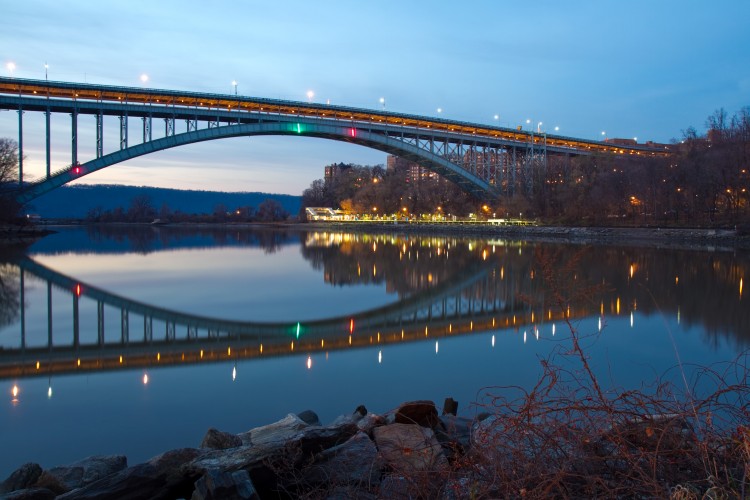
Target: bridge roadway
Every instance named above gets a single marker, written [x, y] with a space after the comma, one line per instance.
[444, 310]
[482, 159]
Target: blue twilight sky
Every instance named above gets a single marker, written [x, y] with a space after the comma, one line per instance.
[643, 68]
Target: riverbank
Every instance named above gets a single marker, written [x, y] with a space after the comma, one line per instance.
[657, 237]
[653, 237]
[412, 452]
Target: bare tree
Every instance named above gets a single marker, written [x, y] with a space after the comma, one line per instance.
[8, 161]
[9, 208]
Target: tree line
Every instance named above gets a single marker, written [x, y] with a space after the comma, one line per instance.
[142, 209]
[703, 181]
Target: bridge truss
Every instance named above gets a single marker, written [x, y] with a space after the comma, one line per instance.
[488, 162]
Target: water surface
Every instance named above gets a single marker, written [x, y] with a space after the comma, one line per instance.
[137, 340]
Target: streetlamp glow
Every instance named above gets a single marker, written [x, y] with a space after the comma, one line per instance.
[144, 78]
[382, 103]
[234, 84]
[497, 117]
[539, 127]
[310, 95]
[46, 67]
[440, 110]
[11, 68]
[557, 129]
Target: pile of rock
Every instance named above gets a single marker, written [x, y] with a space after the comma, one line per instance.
[362, 455]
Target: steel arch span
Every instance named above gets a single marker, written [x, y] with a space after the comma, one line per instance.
[465, 179]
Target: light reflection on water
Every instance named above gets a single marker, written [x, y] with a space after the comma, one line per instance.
[646, 315]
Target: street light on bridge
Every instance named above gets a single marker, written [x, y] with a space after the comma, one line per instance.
[310, 95]
[11, 68]
[382, 102]
[234, 84]
[144, 78]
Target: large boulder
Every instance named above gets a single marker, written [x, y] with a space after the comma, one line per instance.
[30, 494]
[219, 440]
[409, 447]
[21, 478]
[309, 417]
[353, 462]
[87, 471]
[163, 477]
[422, 413]
[274, 449]
[275, 433]
[219, 485]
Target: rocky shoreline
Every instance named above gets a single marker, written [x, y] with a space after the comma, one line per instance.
[411, 452]
[361, 455]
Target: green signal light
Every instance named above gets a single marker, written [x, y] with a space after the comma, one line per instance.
[299, 131]
[298, 329]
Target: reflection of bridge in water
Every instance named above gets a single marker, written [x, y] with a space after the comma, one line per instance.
[151, 336]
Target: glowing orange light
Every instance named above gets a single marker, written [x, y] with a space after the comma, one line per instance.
[309, 362]
[351, 326]
[15, 391]
[78, 290]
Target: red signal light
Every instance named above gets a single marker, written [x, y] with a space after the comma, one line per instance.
[353, 132]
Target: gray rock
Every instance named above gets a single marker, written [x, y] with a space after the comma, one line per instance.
[450, 406]
[409, 447]
[215, 485]
[309, 417]
[276, 446]
[21, 478]
[30, 494]
[369, 422]
[353, 462]
[421, 413]
[165, 476]
[88, 470]
[219, 440]
[454, 434]
[275, 433]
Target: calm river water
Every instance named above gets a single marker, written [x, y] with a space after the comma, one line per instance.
[137, 340]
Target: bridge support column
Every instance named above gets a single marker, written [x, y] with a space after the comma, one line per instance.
[170, 331]
[74, 137]
[124, 326]
[168, 127]
[76, 323]
[47, 145]
[124, 131]
[100, 323]
[147, 128]
[20, 146]
[49, 314]
[148, 329]
[99, 134]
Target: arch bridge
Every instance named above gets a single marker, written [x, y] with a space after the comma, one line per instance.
[487, 162]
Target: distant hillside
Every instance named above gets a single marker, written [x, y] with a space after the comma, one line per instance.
[74, 202]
